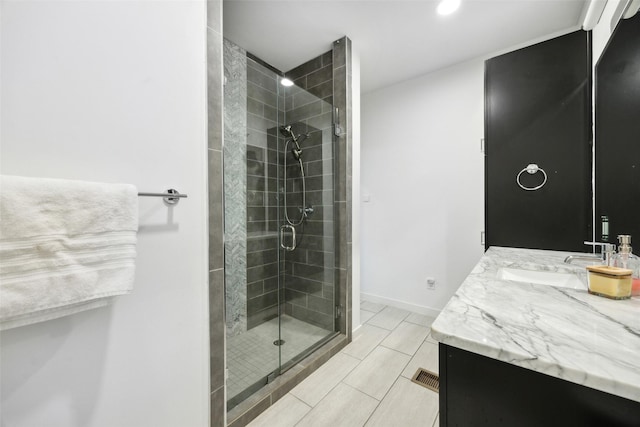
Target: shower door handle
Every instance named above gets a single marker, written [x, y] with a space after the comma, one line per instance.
[293, 237]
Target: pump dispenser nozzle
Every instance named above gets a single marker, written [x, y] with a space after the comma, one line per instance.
[626, 259]
[624, 244]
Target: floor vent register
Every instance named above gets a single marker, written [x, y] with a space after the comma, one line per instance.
[427, 379]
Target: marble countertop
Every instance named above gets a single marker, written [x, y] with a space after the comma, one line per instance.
[566, 333]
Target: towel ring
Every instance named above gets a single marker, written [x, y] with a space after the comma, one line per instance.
[532, 169]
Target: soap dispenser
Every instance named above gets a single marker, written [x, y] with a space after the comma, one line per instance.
[626, 259]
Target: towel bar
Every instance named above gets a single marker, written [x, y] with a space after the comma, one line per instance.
[170, 197]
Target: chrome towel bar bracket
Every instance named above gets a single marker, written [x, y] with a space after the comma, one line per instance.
[170, 197]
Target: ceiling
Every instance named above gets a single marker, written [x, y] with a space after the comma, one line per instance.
[395, 39]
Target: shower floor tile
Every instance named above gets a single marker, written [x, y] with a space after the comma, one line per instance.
[251, 355]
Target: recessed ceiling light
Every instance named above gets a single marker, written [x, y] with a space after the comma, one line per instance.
[286, 82]
[447, 7]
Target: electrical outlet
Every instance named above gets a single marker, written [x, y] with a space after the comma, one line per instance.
[431, 283]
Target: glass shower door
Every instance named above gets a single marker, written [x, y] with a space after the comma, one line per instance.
[307, 283]
[279, 294]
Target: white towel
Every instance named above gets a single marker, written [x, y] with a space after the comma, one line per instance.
[65, 246]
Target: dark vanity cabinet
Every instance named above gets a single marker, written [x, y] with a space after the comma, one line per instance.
[480, 391]
[617, 165]
[538, 111]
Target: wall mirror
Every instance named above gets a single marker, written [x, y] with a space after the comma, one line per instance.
[617, 134]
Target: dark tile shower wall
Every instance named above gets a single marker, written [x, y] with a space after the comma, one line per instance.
[309, 280]
[315, 76]
[308, 271]
[262, 192]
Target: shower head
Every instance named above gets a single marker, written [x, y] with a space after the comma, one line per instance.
[286, 131]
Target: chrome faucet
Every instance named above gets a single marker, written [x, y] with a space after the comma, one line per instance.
[608, 250]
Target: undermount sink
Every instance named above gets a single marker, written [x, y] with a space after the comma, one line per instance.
[561, 280]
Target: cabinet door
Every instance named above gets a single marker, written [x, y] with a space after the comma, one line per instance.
[618, 134]
[477, 390]
[538, 111]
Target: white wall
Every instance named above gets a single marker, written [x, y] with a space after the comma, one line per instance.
[113, 91]
[424, 174]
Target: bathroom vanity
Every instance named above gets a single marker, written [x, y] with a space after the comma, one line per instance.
[523, 343]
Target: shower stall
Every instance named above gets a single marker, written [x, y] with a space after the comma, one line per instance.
[280, 278]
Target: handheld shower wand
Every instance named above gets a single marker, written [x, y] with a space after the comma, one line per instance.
[288, 132]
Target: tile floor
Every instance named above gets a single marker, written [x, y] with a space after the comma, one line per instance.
[369, 382]
[252, 355]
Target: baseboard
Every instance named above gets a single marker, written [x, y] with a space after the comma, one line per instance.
[427, 311]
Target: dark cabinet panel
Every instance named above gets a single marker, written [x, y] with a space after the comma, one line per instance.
[479, 391]
[618, 133]
[538, 111]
